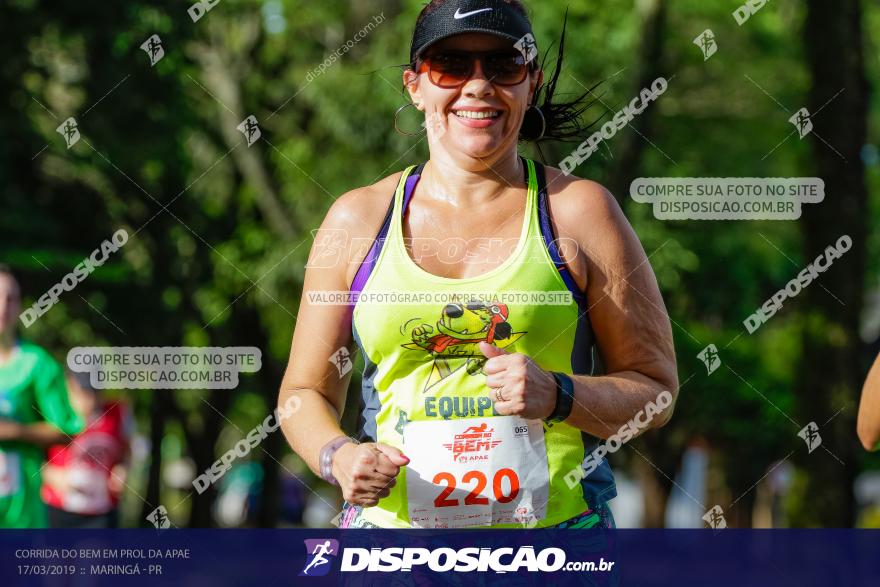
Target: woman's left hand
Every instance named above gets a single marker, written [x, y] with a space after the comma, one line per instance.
[518, 386]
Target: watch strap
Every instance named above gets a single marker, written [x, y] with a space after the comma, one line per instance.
[326, 457]
[564, 397]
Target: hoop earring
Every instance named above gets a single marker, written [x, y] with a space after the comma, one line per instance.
[397, 128]
[543, 122]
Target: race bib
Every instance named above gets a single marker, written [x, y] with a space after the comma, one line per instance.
[10, 473]
[476, 472]
[87, 491]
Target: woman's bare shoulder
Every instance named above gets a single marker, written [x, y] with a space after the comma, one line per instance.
[578, 195]
[584, 209]
[352, 223]
[362, 210]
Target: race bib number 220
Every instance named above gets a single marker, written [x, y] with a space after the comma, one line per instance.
[475, 472]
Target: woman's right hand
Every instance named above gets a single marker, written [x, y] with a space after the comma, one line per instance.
[366, 472]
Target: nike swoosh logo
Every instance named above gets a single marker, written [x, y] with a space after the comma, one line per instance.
[458, 15]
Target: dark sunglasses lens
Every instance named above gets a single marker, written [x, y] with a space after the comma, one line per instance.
[449, 69]
[506, 68]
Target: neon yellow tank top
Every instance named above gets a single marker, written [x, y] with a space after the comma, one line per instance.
[423, 364]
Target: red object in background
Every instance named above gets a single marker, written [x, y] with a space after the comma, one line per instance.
[88, 462]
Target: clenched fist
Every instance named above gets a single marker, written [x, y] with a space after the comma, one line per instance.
[523, 388]
[367, 472]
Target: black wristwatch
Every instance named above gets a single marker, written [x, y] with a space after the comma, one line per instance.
[564, 398]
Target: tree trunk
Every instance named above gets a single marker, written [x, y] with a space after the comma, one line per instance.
[201, 448]
[625, 167]
[158, 414]
[830, 370]
[628, 159]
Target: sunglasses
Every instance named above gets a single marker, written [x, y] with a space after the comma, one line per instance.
[451, 69]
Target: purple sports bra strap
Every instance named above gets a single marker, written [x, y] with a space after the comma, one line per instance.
[369, 262]
[550, 238]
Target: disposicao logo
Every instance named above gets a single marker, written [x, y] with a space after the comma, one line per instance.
[319, 551]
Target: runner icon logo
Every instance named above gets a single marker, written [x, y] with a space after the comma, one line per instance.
[342, 359]
[528, 47]
[710, 358]
[715, 518]
[153, 48]
[250, 129]
[159, 518]
[318, 559]
[706, 42]
[802, 122]
[810, 434]
[70, 131]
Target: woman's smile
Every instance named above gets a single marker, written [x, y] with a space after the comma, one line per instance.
[474, 117]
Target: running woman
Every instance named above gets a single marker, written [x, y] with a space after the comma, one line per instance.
[869, 410]
[83, 479]
[34, 414]
[478, 405]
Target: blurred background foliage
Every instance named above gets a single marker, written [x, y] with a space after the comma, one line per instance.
[220, 231]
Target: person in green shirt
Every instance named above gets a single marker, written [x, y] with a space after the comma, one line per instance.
[34, 413]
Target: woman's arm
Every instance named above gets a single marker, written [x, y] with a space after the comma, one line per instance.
[41, 434]
[869, 410]
[365, 471]
[628, 317]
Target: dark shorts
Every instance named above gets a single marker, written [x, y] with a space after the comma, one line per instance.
[59, 518]
[598, 516]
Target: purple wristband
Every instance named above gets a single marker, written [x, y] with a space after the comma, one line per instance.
[326, 457]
